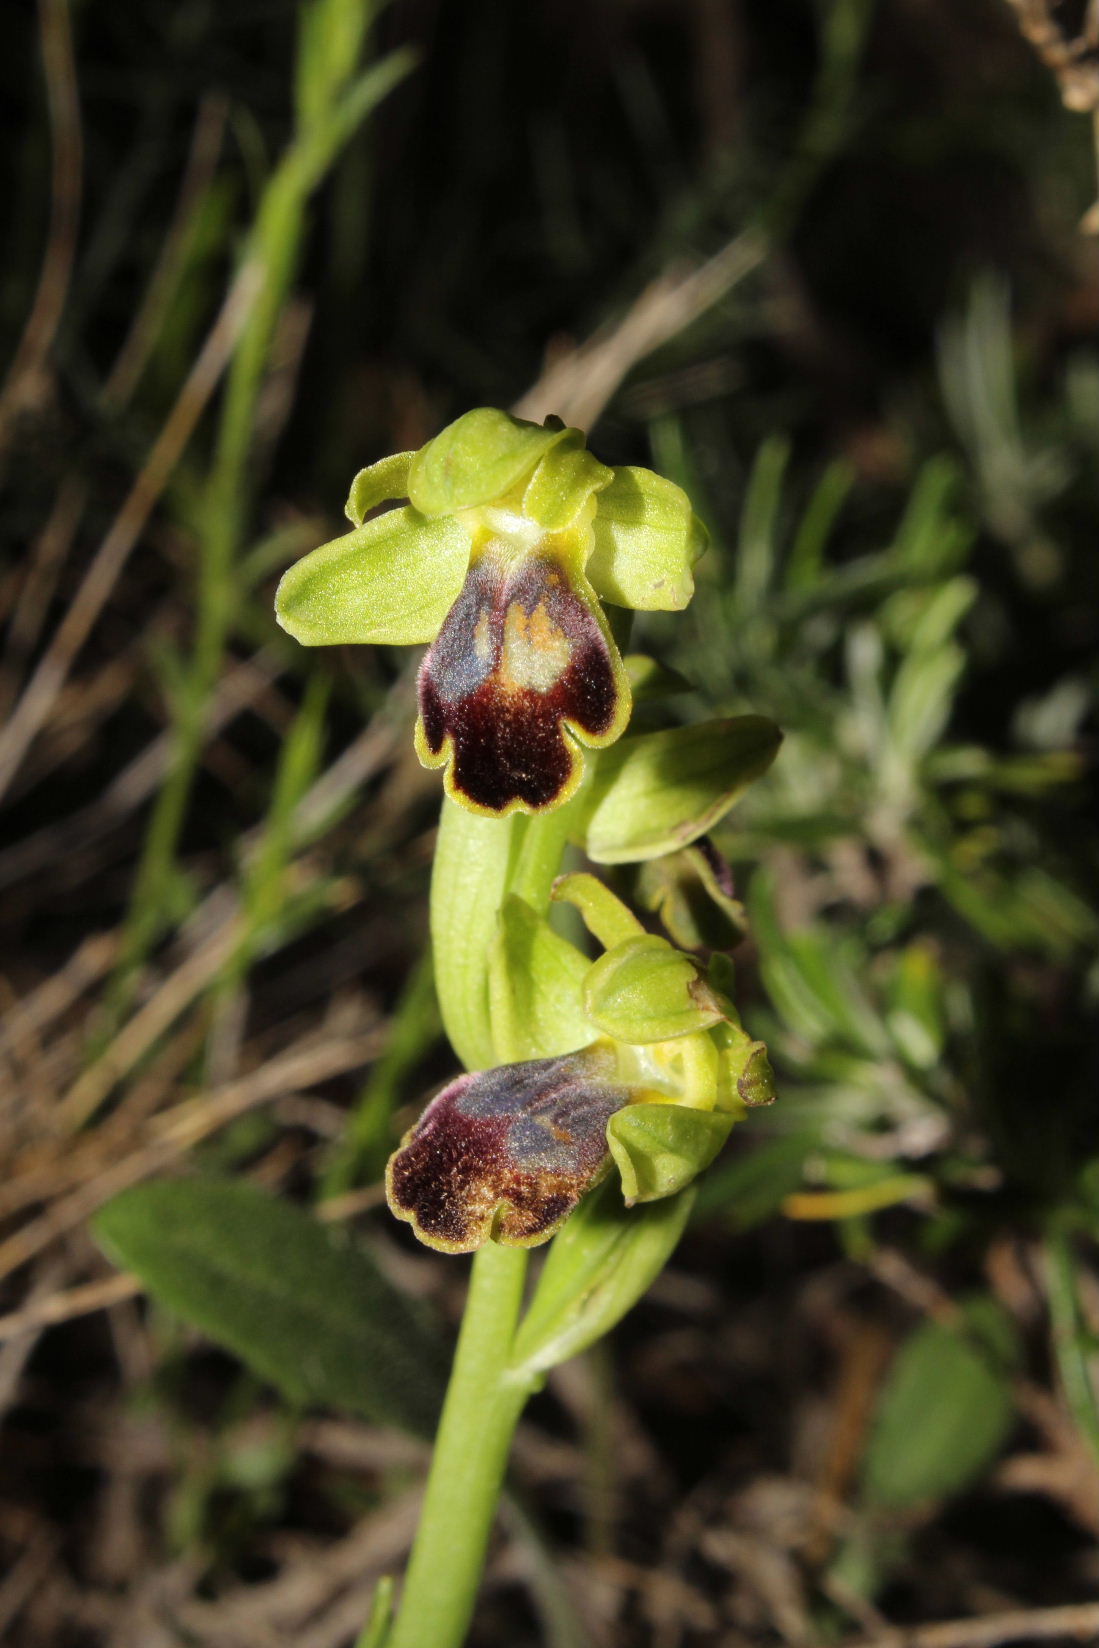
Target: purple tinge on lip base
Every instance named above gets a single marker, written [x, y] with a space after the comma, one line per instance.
[506, 1153]
[520, 656]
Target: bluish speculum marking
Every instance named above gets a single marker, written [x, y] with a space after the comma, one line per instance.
[506, 1152]
[520, 663]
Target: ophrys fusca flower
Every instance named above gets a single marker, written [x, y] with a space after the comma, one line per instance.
[512, 536]
[662, 1071]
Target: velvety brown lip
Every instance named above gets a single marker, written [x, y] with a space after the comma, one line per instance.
[506, 1152]
[520, 657]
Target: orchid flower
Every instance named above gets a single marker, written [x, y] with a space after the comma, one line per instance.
[664, 1070]
[512, 536]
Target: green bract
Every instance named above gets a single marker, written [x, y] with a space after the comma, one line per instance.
[511, 536]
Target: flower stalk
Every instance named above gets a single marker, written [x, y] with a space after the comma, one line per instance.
[483, 1403]
[596, 1089]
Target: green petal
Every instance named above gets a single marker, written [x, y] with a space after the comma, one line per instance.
[379, 483]
[647, 539]
[475, 459]
[563, 482]
[604, 914]
[661, 790]
[392, 581]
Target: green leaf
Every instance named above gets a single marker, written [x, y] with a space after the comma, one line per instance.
[922, 698]
[661, 790]
[944, 1411]
[380, 1620]
[261, 1277]
[806, 559]
[535, 983]
[379, 483]
[661, 1148]
[646, 991]
[392, 581]
[931, 541]
[330, 36]
[916, 1018]
[647, 539]
[1073, 1342]
[813, 986]
[563, 482]
[755, 560]
[475, 459]
[598, 1267]
[750, 1187]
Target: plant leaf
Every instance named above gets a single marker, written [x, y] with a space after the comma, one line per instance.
[264, 1279]
[944, 1410]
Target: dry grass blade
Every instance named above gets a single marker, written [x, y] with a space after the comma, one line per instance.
[45, 685]
[1073, 60]
[199, 170]
[240, 688]
[174, 1132]
[1079, 1619]
[23, 384]
[579, 385]
[65, 1306]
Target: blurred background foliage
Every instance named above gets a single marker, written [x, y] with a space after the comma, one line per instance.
[822, 264]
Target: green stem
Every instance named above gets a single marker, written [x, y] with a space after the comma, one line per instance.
[482, 1408]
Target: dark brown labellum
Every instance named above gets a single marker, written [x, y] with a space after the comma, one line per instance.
[521, 662]
[506, 1153]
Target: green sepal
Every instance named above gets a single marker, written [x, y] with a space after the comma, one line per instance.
[598, 1267]
[535, 978]
[659, 791]
[390, 582]
[647, 539]
[478, 457]
[683, 890]
[378, 483]
[645, 990]
[563, 482]
[661, 1148]
[603, 913]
